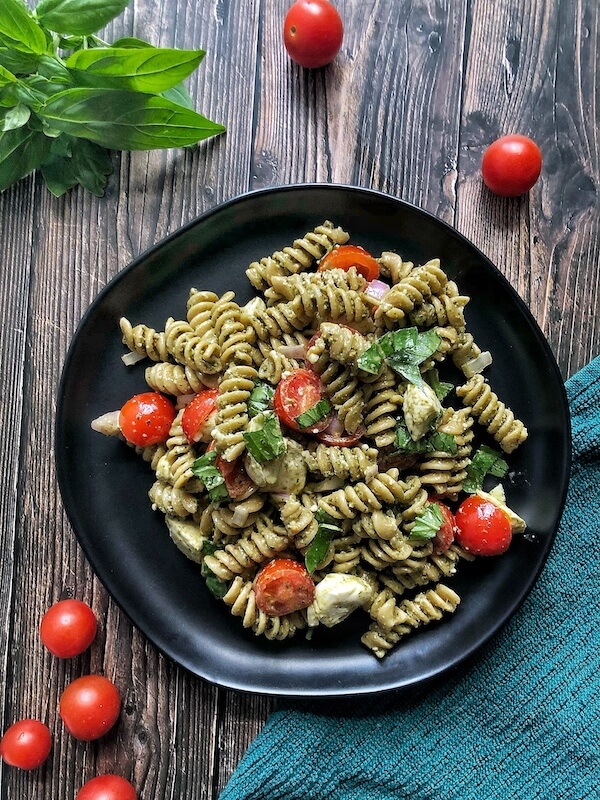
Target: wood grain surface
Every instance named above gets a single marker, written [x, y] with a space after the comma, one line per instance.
[408, 106]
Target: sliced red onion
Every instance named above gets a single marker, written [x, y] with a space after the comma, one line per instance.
[183, 400]
[296, 351]
[376, 289]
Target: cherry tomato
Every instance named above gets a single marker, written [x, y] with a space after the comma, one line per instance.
[26, 744]
[283, 586]
[445, 536]
[312, 32]
[196, 413]
[336, 436]
[107, 787]
[511, 165]
[89, 707]
[351, 255]
[483, 529]
[295, 394]
[146, 419]
[237, 481]
[68, 628]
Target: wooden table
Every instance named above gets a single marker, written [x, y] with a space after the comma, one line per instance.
[417, 92]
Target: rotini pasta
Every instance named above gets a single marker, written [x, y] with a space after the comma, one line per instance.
[317, 477]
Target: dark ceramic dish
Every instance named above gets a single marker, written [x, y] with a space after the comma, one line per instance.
[104, 484]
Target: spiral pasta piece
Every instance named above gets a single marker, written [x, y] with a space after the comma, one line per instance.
[274, 321]
[445, 472]
[384, 489]
[300, 256]
[418, 286]
[490, 412]
[199, 353]
[319, 303]
[342, 344]
[175, 465]
[232, 410]
[392, 266]
[144, 341]
[172, 501]
[286, 288]
[444, 309]
[380, 553]
[174, 379]
[341, 462]
[383, 402]
[261, 543]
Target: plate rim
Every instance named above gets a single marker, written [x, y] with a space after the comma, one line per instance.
[312, 692]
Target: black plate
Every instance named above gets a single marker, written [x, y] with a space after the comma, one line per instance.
[104, 485]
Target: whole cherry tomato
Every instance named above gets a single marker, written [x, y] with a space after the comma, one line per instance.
[483, 529]
[511, 165]
[89, 707]
[312, 32]
[146, 419]
[107, 787]
[296, 393]
[26, 744]
[283, 586]
[351, 255]
[196, 413]
[68, 628]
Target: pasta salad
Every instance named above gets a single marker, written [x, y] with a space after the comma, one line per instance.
[308, 454]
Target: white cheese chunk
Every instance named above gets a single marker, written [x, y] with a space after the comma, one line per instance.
[517, 524]
[336, 597]
[421, 407]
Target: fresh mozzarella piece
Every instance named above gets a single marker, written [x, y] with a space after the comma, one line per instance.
[336, 597]
[517, 524]
[421, 407]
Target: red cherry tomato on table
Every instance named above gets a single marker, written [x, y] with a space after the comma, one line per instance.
[351, 255]
[296, 393]
[511, 165]
[146, 419]
[26, 744]
[68, 628]
[283, 586]
[89, 707]
[483, 529]
[196, 413]
[445, 536]
[107, 787]
[312, 32]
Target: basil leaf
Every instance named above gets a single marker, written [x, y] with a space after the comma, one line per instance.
[6, 77]
[131, 41]
[260, 398]
[266, 442]
[314, 414]
[205, 469]
[85, 163]
[427, 342]
[442, 442]
[16, 62]
[409, 372]
[124, 120]
[146, 69]
[78, 16]
[428, 523]
[441, 388]
[21, 151]
[317, 549]
[19, 30]
[215, 585]
[179, 94]
[14, 117]
[403, 350]
[485, 461]
[434, 440]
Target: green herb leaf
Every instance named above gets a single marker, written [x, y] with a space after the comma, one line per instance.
[215, 585]
[82, 17]
[433, 441]
[260, 398]
[17, 62]
[442, 442]
[441, 388]
[267, 441]
[146, 69]
[84, 163]
[124, 120]
[403, 350]
[314, 414]
[428, 523]
[14, 117]
[317, 549]
[21, 151]
[205, 469]
[19, 30]
[485, 461]
[372, 359]
[6, 77]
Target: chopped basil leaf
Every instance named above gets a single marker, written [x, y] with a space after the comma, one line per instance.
[317, 549]
[428, 523]
[205, 469]
[441, 388]
[320, 409]
[260, 398]
[403, 350]
[266, 442]
[433, 441]
[485, 461]
[215, 585]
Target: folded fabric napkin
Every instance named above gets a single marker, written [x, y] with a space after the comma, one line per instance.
[522, 722]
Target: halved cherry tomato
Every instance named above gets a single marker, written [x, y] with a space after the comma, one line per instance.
[237, 481]
[283, 586]
[26, 744]
[483, 529]
[68, 628]
[351, 255]
[89, 707]
[107, 787]
[296, 393]
[336, 436]
[196, 413]
[312, 32]
[511, 165]
[146, 419]
[445, 536]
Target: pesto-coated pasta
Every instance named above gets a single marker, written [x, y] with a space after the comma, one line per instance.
[347, 475]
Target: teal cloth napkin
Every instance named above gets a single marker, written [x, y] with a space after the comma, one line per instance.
[522, 722]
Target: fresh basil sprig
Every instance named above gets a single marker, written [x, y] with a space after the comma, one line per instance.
[266, 441]
[427, 524]
[327, 530]
[485, 461]
[210, 475]
[403, 350]
[66, 96]
[433, 441]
